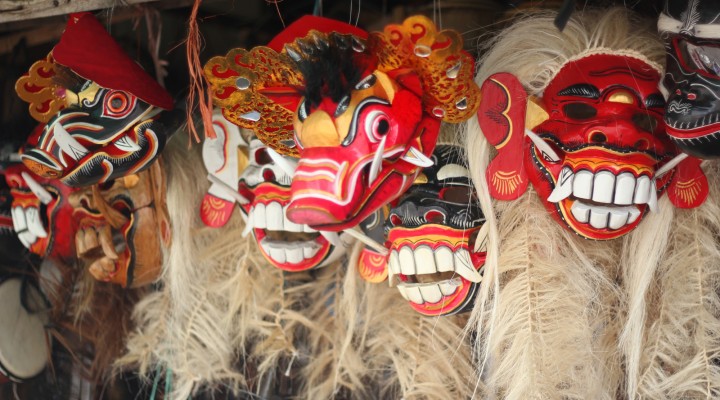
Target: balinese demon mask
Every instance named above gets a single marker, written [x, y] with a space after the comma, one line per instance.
[691, 31]
[367, 116]
[432, 234]
[41, 213]
[263, 193]
[123, 225]
[592, 146]
[100, 107]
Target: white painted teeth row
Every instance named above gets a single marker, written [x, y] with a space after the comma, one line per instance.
[423, 260]
[428, 292]
[600, 217]
[604, 187]
[28, 225]
[272, 217]
[289, 252]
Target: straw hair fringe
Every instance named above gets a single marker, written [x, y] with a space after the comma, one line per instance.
[681, 347]
[549, 312]
[376, 346]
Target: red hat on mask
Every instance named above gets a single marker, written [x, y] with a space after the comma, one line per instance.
[86, 48]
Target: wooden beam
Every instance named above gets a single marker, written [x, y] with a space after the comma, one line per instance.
[18, 10]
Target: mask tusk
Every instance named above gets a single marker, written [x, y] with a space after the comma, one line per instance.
[376, 165]
[542, 145]
[670, 165]
[37, 189]
[286, 165]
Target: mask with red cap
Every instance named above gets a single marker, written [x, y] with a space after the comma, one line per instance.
[102, 111]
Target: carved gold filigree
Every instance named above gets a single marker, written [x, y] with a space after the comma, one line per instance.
[40, 91]
[445, 70]
[239, 81]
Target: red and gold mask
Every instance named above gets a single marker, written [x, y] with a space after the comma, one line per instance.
[123, 225]
[592, 147]
[367, 116]
[41, 213]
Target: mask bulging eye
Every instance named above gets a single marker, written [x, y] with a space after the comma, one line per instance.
[579, 111]
[458, 194]
[434, 217]
[377, 125]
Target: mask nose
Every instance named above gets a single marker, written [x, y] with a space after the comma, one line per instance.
[318, 130]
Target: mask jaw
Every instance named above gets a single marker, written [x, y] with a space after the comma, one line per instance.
[286, 245]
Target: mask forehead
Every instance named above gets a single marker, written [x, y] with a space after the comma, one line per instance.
[591, 77]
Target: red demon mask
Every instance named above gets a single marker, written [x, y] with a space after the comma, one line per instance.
[367, 115]
[593, 146]
[41, 213]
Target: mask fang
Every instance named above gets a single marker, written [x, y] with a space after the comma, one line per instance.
[37, 189]
[543, 146]
[376, 165]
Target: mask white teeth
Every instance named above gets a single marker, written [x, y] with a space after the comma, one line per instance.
[603, 187]
[624, 189]
[259, 217]
[424, 260]
[34, 222]
[601, 217]
[642, 190]
[289, 252]
[274, 216]
[583, 184]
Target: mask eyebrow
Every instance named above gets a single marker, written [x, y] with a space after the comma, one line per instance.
[655, 100]
[581, 90]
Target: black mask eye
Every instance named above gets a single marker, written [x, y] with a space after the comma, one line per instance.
[579, 111]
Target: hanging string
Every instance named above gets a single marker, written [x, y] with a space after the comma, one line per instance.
[168, 382]
[277, 8]
[198, 87]
[153, 22]
[357, 19]
[156, 383]
[317, 9]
